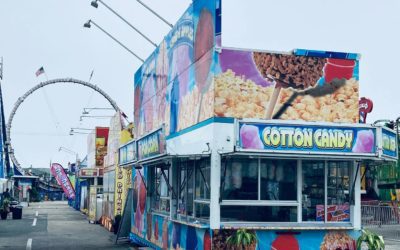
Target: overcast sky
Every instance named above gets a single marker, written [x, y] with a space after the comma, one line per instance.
[49, 33]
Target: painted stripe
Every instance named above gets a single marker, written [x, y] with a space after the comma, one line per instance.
[37, 213]
[202, 124]
[29, 244]
[34, 222]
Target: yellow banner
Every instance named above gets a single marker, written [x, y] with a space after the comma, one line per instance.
[122, 184]
[123, 177]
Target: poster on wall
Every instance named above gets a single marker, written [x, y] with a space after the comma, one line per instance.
[287, 86]
[336, 213]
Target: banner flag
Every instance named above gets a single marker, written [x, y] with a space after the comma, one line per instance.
[39, 71]
[62, 179]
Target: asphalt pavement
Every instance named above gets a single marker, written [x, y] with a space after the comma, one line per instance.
[54, 225]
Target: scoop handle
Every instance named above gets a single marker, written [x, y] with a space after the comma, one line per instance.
[272, 102]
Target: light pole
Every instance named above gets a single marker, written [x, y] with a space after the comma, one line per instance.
[69, 151]
[95, 4]
[87, 110]
[155, 13]
[88, 25]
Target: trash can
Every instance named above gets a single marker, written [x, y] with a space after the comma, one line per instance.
[17, 213]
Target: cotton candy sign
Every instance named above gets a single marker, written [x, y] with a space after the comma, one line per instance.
[308, 139]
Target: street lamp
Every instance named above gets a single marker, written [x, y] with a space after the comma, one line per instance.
[87, 110]
[69, 151]
[73, 132]
[94, 116]
[88, 25]
[152, 11]
[95, 4]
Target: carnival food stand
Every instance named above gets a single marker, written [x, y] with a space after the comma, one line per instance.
[110, 169]
[230, 139]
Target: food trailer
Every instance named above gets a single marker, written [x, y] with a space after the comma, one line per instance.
[230, 139]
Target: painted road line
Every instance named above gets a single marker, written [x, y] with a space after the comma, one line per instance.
[34, 222]
[37, 213]
[29, 244]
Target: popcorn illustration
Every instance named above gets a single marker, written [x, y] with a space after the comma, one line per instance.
[250, 137]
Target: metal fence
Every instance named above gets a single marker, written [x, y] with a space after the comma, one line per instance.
[378, 215]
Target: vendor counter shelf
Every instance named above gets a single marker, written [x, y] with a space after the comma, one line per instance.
[294, 226]
[192, 224]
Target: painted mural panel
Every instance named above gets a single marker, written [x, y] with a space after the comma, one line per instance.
[253, 84]
[174, 87]
[291, 240]
[139, 202]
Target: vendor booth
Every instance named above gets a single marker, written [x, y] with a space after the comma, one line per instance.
[230, 139]
[110, 165]
[91, 184]
[22, 185]
[281, 180]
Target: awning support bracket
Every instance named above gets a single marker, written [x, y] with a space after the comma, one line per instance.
[168, 184]
[223, 181]
[354, 184]
[144, 183]
[204, 179]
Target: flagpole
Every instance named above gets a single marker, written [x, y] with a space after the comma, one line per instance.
[91, 75]
[52, 113]
[45, 74]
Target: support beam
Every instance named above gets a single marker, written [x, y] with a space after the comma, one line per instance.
[215, 181]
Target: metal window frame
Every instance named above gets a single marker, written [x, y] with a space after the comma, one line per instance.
[299, 202]
[185, 185]
[350, 166]
[154, 175]
[196, 200]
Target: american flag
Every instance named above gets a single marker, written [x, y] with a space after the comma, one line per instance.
[39, 71]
